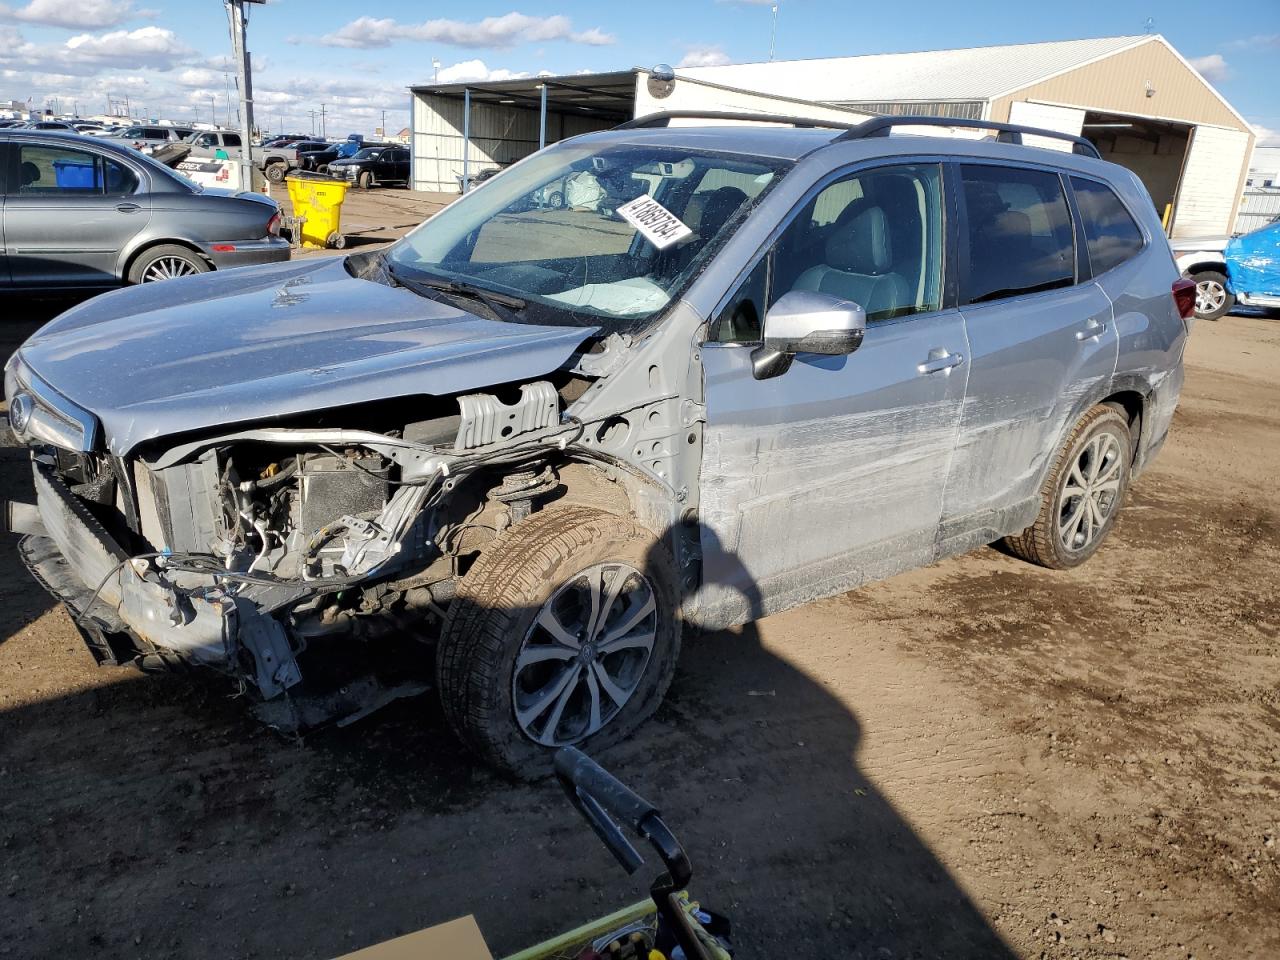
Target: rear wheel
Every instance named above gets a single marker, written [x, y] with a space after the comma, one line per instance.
[556, 200]
[276, 172]
[167, 262]
[1213, 299]
[564, 631]
[1082, 494]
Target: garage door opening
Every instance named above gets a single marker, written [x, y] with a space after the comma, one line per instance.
[1153, 149]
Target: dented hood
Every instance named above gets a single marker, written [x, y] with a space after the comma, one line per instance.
[269, 342]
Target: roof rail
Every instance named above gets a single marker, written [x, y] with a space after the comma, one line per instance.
[664, 118]
[1006, 132]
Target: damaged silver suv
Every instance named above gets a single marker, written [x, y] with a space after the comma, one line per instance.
[741, 367]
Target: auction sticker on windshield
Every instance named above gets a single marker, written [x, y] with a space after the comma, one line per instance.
[655, 222]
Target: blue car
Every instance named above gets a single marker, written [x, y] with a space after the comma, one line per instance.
[1253, 267]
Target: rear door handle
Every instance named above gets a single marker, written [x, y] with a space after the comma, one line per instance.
[128, 207]
[940, 360]
[1092, 328]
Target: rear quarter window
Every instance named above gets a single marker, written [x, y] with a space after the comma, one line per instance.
[1109, 229]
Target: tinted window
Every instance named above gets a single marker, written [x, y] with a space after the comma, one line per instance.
[1020, 234]
[155, 133]
[231, 139]
[48, 170]
[1111, 232]
[874, 238]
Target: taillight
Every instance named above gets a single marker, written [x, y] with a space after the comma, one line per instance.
[1184, 295]
[273, 225]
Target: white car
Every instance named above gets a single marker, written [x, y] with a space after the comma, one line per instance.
[1202, 259]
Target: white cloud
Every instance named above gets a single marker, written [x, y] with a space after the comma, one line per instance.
[147, 48]
[1266, 136]
[475, 70]
[1213, 67]
[1258, 40]
[492, 32]
[704, 56]
[77, 14]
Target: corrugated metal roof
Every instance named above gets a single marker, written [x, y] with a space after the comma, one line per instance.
[975, 73]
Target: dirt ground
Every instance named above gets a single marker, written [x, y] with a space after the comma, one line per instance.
[980, 759]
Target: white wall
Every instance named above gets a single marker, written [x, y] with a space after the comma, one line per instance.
[687, 94]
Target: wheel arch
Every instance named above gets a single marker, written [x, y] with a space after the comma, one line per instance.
[151, 243]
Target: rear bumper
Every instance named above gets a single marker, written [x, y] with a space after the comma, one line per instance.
[247, 253]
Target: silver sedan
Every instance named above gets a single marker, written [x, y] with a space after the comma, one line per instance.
[81, 212]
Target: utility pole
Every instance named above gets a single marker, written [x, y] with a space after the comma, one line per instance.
[773, 32]
[323, 106]
[384, 124]
[312, 115]
[238, 19]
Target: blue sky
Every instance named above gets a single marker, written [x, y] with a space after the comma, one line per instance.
[169, 56]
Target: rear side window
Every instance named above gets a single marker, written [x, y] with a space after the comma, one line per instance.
[1020, 234]
[1110, 230]
[231, 139]
[59, 171]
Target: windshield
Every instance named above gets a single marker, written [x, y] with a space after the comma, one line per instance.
[590, 234]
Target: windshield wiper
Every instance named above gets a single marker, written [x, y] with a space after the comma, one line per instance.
[500, 305]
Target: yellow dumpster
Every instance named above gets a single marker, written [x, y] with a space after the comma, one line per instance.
[318, 201]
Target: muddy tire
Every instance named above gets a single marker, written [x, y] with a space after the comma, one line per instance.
[276, 172]
[1213, 299]
[525, 661]
[1082, 493]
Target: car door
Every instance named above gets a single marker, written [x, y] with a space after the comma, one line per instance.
[832, 473]
[1041, 335]
[70, 214]
[399, 165]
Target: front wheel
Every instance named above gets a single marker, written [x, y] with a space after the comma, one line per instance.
[1213, 299]
[1082, 494]
[366, 180]
[564, 631]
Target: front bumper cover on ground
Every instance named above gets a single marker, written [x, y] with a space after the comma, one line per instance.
[136, 611]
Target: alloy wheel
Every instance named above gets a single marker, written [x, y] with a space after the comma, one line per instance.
[1091, 492]
[585, 654]
[167, 268]
[1210, 296]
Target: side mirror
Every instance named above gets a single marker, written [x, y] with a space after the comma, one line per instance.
[806, 321]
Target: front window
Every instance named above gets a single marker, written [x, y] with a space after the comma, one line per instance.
[588, 234]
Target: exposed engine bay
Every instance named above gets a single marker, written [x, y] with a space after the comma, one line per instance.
[315, 564]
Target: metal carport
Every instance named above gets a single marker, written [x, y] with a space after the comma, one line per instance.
[460, 129]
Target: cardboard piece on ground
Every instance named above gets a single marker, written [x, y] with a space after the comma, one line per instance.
[456, 940]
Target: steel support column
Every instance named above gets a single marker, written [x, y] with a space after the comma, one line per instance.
[466, 139]
[542, 119]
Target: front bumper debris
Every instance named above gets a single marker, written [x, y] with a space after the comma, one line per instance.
[137, 611]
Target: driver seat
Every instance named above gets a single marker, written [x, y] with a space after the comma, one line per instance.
[859, 266]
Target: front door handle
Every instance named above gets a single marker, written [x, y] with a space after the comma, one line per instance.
[939, 360]
[128, 207]
[1092, 328]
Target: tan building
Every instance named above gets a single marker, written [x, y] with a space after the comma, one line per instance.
[1136, 98]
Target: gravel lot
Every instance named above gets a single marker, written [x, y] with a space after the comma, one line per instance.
[979, 759]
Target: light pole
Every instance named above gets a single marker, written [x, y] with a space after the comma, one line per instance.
[238, 20]
[773, 32]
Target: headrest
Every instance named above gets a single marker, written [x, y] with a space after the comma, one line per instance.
[30, 173]
[717, 207]
[862, 245]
